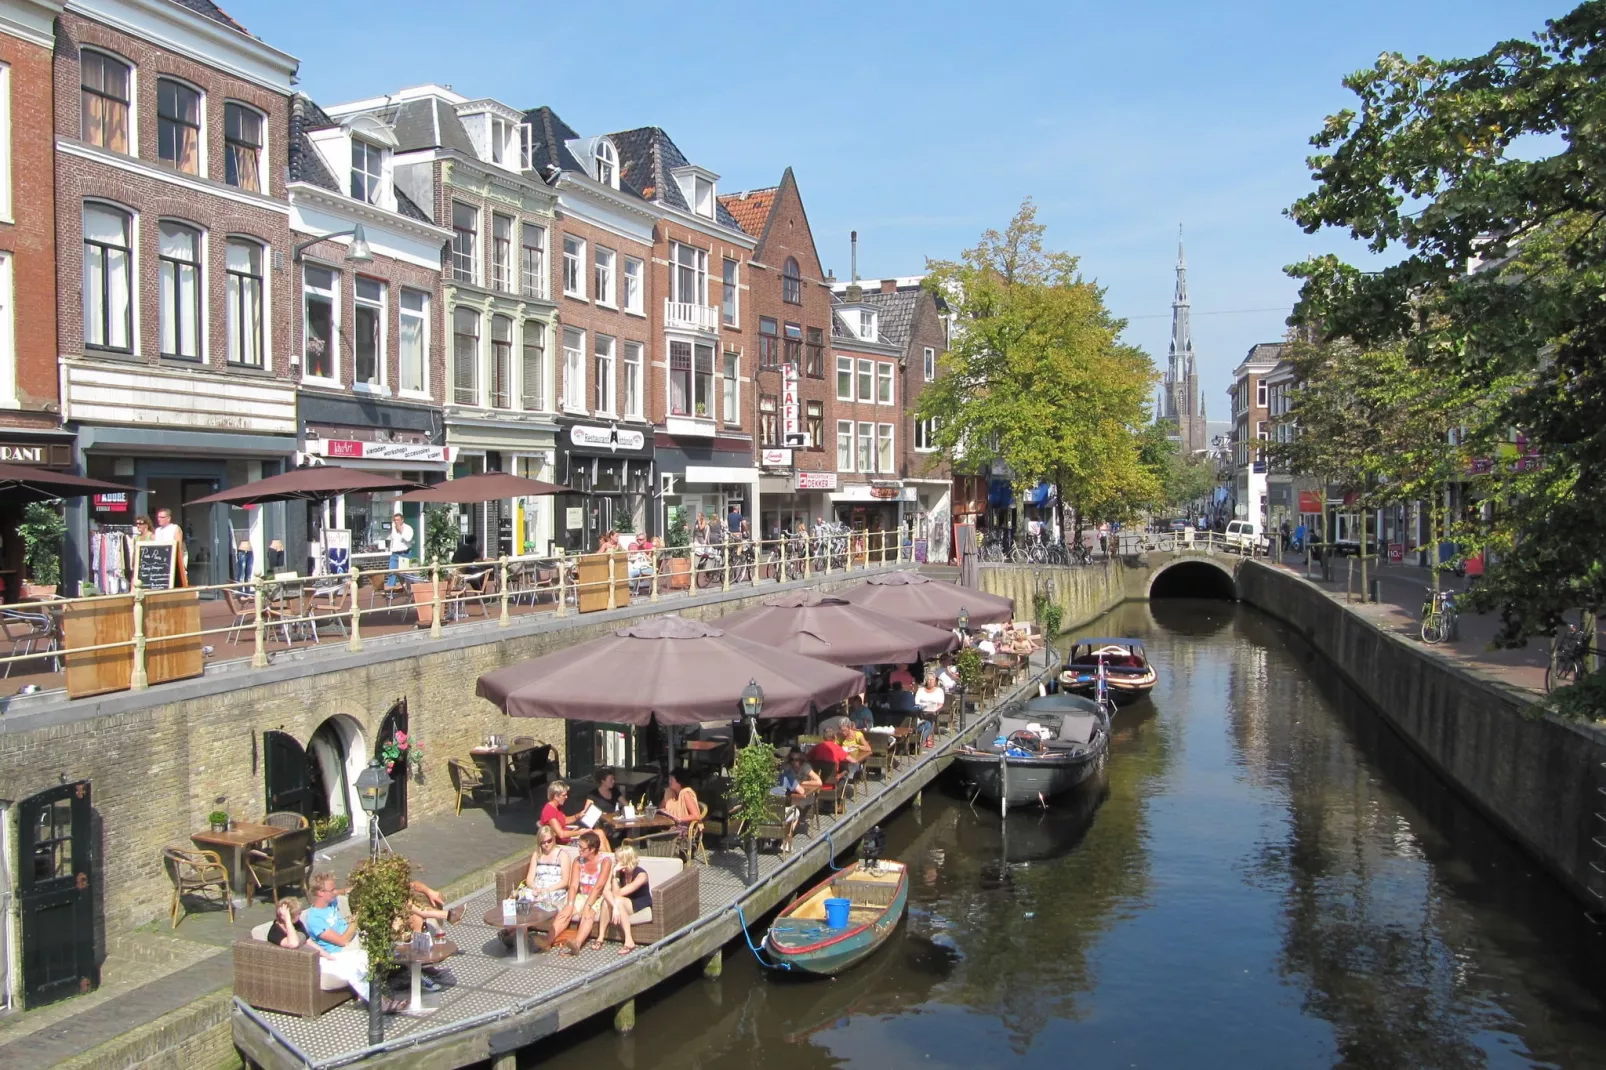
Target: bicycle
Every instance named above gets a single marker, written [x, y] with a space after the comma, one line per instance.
[1081, 554]
[1439, 618]
[1567, 652]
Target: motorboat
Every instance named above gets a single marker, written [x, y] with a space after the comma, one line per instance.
[1126, 669]
[1036, 753]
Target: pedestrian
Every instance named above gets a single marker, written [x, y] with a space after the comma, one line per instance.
[733, 522]
[399, 541]
[169, 532]
[1299, 537]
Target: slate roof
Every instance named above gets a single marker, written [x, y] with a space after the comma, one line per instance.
[305, 163]
[406, 207]
[427, 123]
[647, 155]
[551, 137]
[751, 210]
[896, 314]
[207, 9]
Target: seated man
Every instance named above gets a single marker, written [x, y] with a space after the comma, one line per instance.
[901, 701]
[861, 716]
[948, 676]
[333, 933]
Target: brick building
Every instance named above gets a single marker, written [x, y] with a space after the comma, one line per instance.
[866, 421]
[461, 162]
[368, 319]
[1251, 426]
[788, 301]
[30, 425]
[606, 375]
[173, 265]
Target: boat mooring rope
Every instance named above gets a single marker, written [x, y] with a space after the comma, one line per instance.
[831, 858]
[757, 953]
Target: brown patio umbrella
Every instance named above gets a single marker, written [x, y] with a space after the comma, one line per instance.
[671, 669]
[915, 597]
[486, 487]
[307, 485]
[21, 483]
[832, 629]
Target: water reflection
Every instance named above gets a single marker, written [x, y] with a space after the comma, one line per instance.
[1262, 876]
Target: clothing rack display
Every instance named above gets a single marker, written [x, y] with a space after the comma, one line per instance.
[111, 558]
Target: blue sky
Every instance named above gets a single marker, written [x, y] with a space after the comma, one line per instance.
[920, 125]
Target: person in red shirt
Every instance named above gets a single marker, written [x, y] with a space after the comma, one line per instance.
[901, 675]
[552, 815]
[829, 750]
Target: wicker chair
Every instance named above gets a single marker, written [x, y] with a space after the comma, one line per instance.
[468, 778]
[286, 819]
[881, 758]
[832, 791]
[676, 899]
[196, 871]
[283, 979]
[287, 860]
[691, 844]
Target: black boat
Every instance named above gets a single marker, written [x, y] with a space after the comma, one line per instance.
[1039, 750]
[1127, 671]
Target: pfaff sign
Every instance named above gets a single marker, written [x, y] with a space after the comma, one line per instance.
[789, 401]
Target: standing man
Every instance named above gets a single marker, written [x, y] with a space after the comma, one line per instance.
[733, 522]
[169, 532]
[399, 541]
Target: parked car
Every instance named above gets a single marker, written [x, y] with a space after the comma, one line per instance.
[1180, 525]
[1244, 536]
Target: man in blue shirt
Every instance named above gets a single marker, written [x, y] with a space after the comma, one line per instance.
[333, 932]
[733, 522]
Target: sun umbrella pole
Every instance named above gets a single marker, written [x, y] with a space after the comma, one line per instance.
[435, 582]
[356, 610]
[502, 579]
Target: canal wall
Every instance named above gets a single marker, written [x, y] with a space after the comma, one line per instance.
[1538, 777]
[1084, 593]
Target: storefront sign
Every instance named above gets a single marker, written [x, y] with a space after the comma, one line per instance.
[775, 458]
[790, 417]
[352, 450]
[887, 493]
[606, 438]
[1309, 502]
[574, 518]
[112, 503]
[57, 455]
[815, 481]
[1396, 553]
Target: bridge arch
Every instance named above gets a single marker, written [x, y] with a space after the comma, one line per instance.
[1190, 576]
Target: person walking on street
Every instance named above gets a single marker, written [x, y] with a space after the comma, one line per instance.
[169, 532]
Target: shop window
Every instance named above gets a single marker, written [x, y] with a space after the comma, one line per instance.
[769, 424]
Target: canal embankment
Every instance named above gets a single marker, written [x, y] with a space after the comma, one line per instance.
[1536, 776]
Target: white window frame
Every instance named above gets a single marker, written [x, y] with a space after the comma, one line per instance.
[925, 435]
[844, 427]
[501, 141]
[264, 310]
[866, 435]
[135, 263]
[422, 315]
[867, 325]
[333, 378]
[5, 161]
[884, 378]
[698, 266]
[539, 277]
[607, 164]
[730, 292]
[634, 376]
[730, 367]
[604, 265]
[200, 290]
[474, 255]
[8, 336]
[864, 388]
[1260, 394]
[605, 356]
[381, 344]
[373, 184]
[886, 442]
[574, 370]
[202, 133]
[481, 333]
[526, 146]
[848, 361]
[930, 363]
[262, 147]
[578, 260]
[635, 289]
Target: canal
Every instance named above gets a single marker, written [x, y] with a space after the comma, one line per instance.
[1263, 876]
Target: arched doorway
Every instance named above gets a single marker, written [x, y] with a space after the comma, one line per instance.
[336, 754]
[393, 817]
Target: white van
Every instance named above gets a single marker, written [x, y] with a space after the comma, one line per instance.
[1243, 536]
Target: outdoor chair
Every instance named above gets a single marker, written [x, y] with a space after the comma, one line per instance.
[691, 844]
[832, 791]
[909, 742]
[530, 770]
[880, 759]
[286, 979]
[329, 604]
[772, 825]
[475, 588]
[196, 871]
[283, 860]
[286, 819]
[25, 630]
[948, 716]
[467, 779]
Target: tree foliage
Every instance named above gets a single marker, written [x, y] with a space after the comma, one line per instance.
[1486, 178]
[1037, 375]
[1182, 481]
[381, 895]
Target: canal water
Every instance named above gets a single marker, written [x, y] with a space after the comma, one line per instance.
[1262, 876]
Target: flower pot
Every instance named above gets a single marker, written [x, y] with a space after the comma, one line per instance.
[38, 590]
[677, 573]
[424, 602]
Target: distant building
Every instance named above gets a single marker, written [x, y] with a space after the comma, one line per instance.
[1250, 393]
[1180, 404]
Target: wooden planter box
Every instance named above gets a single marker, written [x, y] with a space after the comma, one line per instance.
[676, 574]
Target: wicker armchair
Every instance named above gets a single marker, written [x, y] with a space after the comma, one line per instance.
[833, 791]
[468, 778]
[196, 871]
[676, 898]
[880, 759]
[286, 819]
[284, 860]
[283, 979]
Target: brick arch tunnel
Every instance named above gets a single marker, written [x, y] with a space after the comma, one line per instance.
[1194, 579]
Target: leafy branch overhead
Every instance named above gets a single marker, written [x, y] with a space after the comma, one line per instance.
[1038, 377]
[1483, 179]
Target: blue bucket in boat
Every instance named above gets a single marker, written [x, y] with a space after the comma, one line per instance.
[836, 913]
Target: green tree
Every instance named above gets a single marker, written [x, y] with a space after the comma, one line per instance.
[1501, 261]
[1183, 481]
[1038, 377]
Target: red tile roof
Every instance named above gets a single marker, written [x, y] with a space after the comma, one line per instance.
[750, 209]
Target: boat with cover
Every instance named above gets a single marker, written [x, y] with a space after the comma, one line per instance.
[802, 938]
[1126, 668]
[1039, 750]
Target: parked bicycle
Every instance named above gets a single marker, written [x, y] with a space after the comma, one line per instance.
[1439, 623]
[1568, 652]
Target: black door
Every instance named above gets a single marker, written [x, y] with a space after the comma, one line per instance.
[284, 774]
[58, 930]
[393, 818]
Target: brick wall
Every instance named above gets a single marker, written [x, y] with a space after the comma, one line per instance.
[30, 236]
[594, 318]
[927, 330]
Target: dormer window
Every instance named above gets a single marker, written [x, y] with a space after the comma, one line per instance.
[607, 163]
[697, 186]
[501, 142]
[367, 171]
[867, 325]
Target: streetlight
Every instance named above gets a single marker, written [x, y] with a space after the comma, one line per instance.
[373, 788]
[752, 703]
[358, 252]
[963, 621]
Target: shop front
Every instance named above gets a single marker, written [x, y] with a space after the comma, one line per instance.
[929, 520]
[609, 472]
[515, 443]
[367, 515]
[875, 510]
[49, 451]
[711, 477]
[794, 498]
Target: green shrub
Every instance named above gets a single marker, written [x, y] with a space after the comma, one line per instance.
[381, 889]
[42, 530]
[968, 662]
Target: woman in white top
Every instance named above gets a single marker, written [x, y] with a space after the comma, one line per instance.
[930, 697]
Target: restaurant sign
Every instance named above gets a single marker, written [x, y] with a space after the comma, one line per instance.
[351, 450]
[815, 481]
[791, 423]
[606, 438]
[54, 454]
[775, 458]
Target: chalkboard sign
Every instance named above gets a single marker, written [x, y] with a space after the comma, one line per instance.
[154, 565]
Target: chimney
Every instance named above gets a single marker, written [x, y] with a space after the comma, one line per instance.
[889, 286]
[853, 245]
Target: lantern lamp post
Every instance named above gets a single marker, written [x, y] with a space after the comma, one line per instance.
[752, 704]
[373, 788]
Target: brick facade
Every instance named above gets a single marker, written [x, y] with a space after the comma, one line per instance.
[28, 237]
[593, 316]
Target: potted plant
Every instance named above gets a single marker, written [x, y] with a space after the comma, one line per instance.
[751, 779]
[968, 662]
[219, 820]
[675, 560]
[381, 895]
[702, 409]
[42, 530]
[327, 830]
[441, 535]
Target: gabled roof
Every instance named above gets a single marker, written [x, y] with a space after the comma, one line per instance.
[551, 137]
[751, 209]
[647, 156]
[207, 9]
[305, 163]
[896, 314]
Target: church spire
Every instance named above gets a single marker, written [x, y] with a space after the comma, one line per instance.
[1181, 331]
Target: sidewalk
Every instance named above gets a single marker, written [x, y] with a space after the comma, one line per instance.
[1403, 589]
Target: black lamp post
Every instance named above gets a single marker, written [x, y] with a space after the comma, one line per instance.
[752, 704]
[373, 788]
[963, 621]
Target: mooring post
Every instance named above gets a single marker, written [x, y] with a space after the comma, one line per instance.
[624, 1019]
[714, 965]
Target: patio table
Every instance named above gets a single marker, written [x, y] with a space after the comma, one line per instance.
[526, 918]
[241, 836]
[636, 828]
[438, 951]
[503, 755]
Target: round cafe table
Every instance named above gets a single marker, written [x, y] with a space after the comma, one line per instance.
[438, 951]
[527, 918]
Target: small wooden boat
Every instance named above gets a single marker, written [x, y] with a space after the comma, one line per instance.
[1127, 671]
[876, 892]
[1037, 752]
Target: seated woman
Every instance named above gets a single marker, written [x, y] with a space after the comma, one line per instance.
[606, 796]
[930, 698]
[1021, 643]
[630, 891]
[546, 881]
[681, 803]
[552, 815]
[587, 905]
[286, 930]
